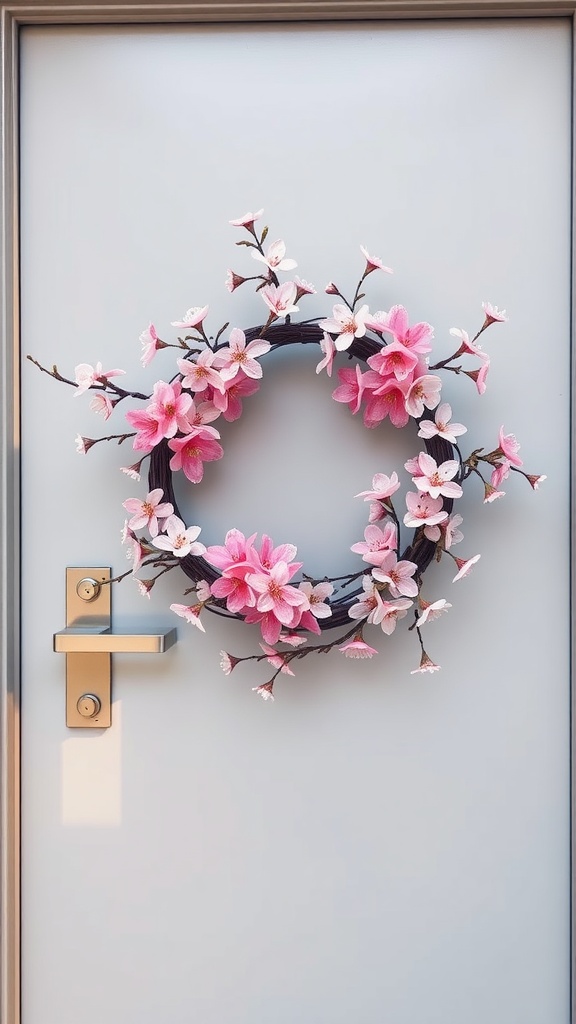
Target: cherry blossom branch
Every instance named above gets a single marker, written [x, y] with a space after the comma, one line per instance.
[121, 392]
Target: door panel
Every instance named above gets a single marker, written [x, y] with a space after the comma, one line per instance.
[375, 846]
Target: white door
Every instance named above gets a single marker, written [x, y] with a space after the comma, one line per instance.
[375, 846]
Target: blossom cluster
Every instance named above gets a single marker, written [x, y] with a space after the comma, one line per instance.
[391, 376]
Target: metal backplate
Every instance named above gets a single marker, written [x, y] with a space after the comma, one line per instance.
[88, 604]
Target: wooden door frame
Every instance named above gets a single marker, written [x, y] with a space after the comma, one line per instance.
[107, 12]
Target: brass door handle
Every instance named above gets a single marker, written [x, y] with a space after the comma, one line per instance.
[89, 641]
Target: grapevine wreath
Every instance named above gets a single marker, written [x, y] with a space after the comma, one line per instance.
[390, 375]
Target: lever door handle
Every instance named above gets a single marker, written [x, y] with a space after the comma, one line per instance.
[89, 641]
[86, 640]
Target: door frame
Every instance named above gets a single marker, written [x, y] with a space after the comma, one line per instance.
[107, 12]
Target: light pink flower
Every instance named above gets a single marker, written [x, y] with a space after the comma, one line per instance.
[247, 219]
[192, 451]
[398, 576]
[199, 374]
[274, 258]
[190, 612]
[382, 487]
[269, 555]
[280, 300]
[150, 344]
[317, 596]
[169, 407]
[145, 514]
[303, 287]
[377, 512]
[394, 359]
[232, 587]
[388, 613]
[500, 472]
[292, 639]
[426, 665]
[276, 660]
[509, 447]
[345, 324]
[423, 510]
[329, 349]
[351, 389]
[132, 471]
[467, 347]
[145, 586]
[373, 263]
[276, 595]
[86, 376]
[358, 648]
[264, 691]
[192, 317]
[83, 444]
[437, 480]
[237, 550]
[203, 591]
[464, 566]
[417, 338]
[424, 391]
[441, 427]
[228, 662]
[179, 540]
[535, 480]
[229, 401]
[233, 280]
[102, 404]
[479, 376]
[199, 416]
[148, 429]
[432, 610]
[331, 288]
[240, 356]
[452, 535]
[493, 314]
[491, 494]
[367, 607]
[377, 543]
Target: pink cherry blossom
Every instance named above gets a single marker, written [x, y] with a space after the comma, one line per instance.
[385, 399]
[232, 587]
[382, 487]
[509, 447]
[268, 555]
[351, 389]
[377, 512]
[437, 480]
[423, 510]
[233, 281]
[424, 391]
[467, 347]
[426, 665]
[432, 610]
[345, 324]
[86, 376]
[265, 690]
[367, 607]
[417, 338]
[191, 452]
[145, 586]
[280, 300]
[441, 427]
[137, 550]
[148, 429]
[199, 374]
[200, 416]
[493, 314]
[179, 540]
[240, 356]
[373, 263]
[329, 349]
[246, 220]
[102, 405]
[190, 612]
[317, 596]
[276, 595]
[535, 480]
[150, 344]
[479, 376]
[203, 591]
[132, 471]
[274, 259]
[169, 407]
[192, 317]
[452, 535]
[388, 613]
[500, 472]
[377, 543]
[358, 648]
[228, 662]
[303, 287]
[292, 639]
[229, 401]
[464, 566]
[394, 359]
[236, 550]
[398, 576]
[145, 514]
[331, 288]
[491, 494]
[276, 660]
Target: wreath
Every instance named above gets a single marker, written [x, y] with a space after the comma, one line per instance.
[390, 376]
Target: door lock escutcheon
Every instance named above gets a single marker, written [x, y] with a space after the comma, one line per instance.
[89, 643]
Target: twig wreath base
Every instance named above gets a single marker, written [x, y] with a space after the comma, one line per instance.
[388, 375]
